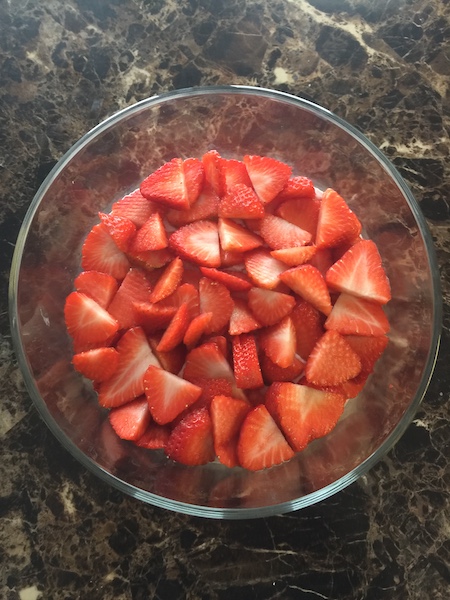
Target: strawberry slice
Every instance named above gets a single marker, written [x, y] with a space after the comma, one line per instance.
[131, 420]
[352, 315]
[167, 394]
[245, 362]
[152, 259]
[221, 342]
[337, 223]
[241, 202]
[295, 257]
[198, 242]
[279, 342]
[308, 325]
[169, 281]
[100, 253]
[174, 333]
[230, 259]
[215, 298]
[303, 212]
[151, 236]
[269, 306]
[233, 172]
[236, 238]
[322, 260]
[174, 184]
[87, 322]
[303, 413]
[308, 282]
[352, 387]
[212, 167]
[207, 361]
[205, 207]
[184, 294]
[127, 383]
[227, 416]
[278, 233]
[191, 441]
[261, 444]
[196, 329]
[155, 437]
[273, 372]
[268, 176]
[172, 360]
[193, 178]
[263, 269]
[368, 348]
[360, 272]
[121, 229]
[242, 320]
[101, 287]
[153, 317]
[233, 280]
[296, 187]
[134, 288]
[332, 361]
[211, 388]
[134, 207]
[98, 364]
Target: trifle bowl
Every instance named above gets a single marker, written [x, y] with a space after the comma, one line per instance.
[111, 161]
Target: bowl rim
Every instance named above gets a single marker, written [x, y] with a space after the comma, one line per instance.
[203, 510]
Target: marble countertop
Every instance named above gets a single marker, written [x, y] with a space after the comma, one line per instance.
[64, 66]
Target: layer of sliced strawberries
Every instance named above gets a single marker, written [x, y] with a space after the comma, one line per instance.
[227, 310]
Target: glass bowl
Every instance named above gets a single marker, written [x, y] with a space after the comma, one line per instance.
[109, 162]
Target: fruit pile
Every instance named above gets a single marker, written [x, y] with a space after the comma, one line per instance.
[227, 310]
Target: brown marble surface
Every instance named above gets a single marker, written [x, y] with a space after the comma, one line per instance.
[64, 66]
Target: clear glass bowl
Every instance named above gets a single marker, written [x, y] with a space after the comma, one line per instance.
[109, 162]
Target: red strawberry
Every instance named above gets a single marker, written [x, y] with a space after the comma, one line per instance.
[167, 394]
[227, 415]
[278, 233]
[368, 348]
[279, 342]
[130, 420]
[263, 269]
[98, 364]
[307, 281]
[169, 281]
[236, 238]
[101, 287]
[155, 437]
[196, 329]
[207, 361]
[174, 333]
[191, 441]
[172, 360]
[184, 294]
[303, 413]
[245, 362]
[360, 272]
[87, 322]
[242, 320]
[272, 372]
[233, 172]
[172, 184]
[134, 207]
[268, 176]
[241, 202]
[212, 168]
[205, 207]
[151, 236]
[298, 187]
[332, 361]
[221, 342]
[261, 443]
[230, 258]
[193, 178]
[134, 288]
[211, 388]
[198, 242]
[269, 306]
[153, 259]
[127, 383]
[352, 315]
[322, 260]
[100, 253]
[337, 223]
[308, 325]
[153, 317]
[233, 280]
[119, 228]
[295, 256]
[215, 298]
[352, 387]
[303, 212]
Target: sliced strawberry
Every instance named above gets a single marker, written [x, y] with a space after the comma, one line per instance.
[101, 287]
[175, 331]
[196, 329]
[227, 453]
[273, 372]
[295, 256]
[352, 315]
[191, 441]
[211, 388]
[167, 185]
[153, 317]
[233, 280]
[242, 320]
[134, 207]
[352, 387]
[87, 322]
[361, 273]
[263, 269]
[151, 236]
[322, 260]
[308, 324]
[261, 443]
[332, 361]
[193, 178]
[227, 415]
[278, 233]
[206, 207]
[368, 348]
[279, 342]
[215, 298]
[236, 238]
[134, 288]
[233, 172]
[184, 294]
[303, 413]
[241, 202]
[153, 259]
[198, 242]
[127, 383]
[268, 176]
[207, 361]
[100, 253]
[131, 420]
[98, 364]
[172, 360]
[121, 229]
[221, 342]
[297, 187]
[269, 306]
[167, 394]
[303, 212]
[169, 281]
[337, 223]
[212, 168]
[245, 362]
[155, 437]
[230, 259]
[308, 282]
